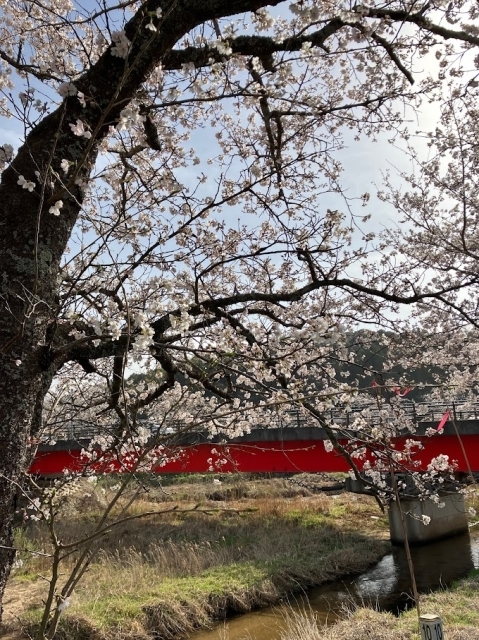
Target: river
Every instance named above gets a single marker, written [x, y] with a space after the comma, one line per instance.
[386, 586]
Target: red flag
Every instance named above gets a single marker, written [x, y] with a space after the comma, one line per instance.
[401, 394]
[444, 419]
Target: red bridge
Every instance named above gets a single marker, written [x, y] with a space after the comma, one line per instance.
[288, 450]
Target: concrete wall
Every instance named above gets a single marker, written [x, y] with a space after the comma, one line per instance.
[445, 522]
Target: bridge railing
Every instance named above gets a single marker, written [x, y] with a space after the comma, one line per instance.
[416, 413]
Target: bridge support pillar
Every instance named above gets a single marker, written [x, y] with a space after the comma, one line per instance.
[442, 522]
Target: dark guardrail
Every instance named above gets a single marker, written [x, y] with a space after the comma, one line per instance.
[416, 413]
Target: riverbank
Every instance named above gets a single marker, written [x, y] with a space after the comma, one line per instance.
[457, 606]
[247, 544]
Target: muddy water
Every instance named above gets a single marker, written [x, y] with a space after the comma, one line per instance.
[385, 586]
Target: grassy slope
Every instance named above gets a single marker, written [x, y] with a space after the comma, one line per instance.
[175, 573]
[172, 574]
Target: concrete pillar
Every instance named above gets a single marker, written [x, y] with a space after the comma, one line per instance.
[445, 522]
[354, 486]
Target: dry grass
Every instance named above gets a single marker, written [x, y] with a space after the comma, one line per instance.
[458, 607]
[240, 564]
[169, 575]
[272, 503]
[364, 624]
[302, 624]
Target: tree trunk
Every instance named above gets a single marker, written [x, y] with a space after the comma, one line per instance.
[18, 395]
[30, 251]
[32, 242]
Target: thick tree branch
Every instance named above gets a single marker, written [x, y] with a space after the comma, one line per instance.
[85, 349]
[262, 47]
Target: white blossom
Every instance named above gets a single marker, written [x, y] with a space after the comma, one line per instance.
[256, 170]
[439, 463]
[25, 184]
[306, 49]
[64, 604]
[328, 445]
[65, 165]
[6, 154]
[67, 89]
[121, 44]
[79, 130]
[263, 19]
[115, 330]
[100, 39]
[223, 48]
[130, 116]
[55, 209]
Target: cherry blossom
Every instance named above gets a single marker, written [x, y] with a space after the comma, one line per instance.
[121, 44]
[25, 184]
[55, 209]
[217, 234]
[79, 130]
[6, 154]
[67, 89]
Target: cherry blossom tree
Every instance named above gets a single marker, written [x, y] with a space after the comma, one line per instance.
[172, 200]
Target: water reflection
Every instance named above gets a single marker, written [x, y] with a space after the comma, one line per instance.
[386, 586]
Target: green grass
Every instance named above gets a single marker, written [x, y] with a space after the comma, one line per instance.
[308, 518]
[457, 606]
